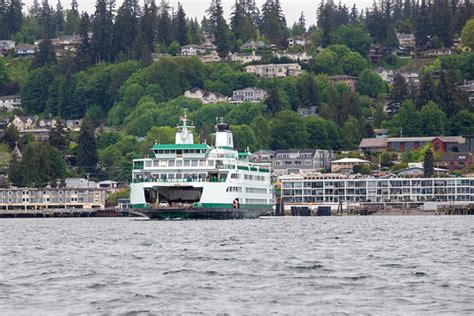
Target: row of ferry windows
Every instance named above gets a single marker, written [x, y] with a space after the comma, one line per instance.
[254, 177]
[179, 152]
[247, 190]
[179, 163]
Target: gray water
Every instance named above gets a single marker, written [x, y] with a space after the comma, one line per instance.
[339, 265]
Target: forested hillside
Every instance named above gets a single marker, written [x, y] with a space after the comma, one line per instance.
[112, 80]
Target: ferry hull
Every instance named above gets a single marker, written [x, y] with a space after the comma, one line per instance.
[202, 213]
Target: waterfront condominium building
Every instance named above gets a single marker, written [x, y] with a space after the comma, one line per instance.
[332, 188]
[52, 198]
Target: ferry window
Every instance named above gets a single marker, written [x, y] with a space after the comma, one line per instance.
[179, 163]
[185, 151]
[187, 162]
[179, 176]
[179, 152]
[210, 162]
[202, 176]
[148, 163]
[194, 163]
[156, 163]
[170, 163]
[202, 163]
[235, 176]
[171, 176]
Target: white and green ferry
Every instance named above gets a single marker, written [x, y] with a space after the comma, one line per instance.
[188, 180]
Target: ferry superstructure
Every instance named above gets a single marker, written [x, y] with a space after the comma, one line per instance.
[188, 180]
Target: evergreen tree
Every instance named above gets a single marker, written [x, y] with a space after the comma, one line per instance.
[219, 27]
[58, 136]
[87, 148]
[11, 18]
[126, 28]
[428, 164]
[101, 42]
[399, 90]
[11, 136]
[422, 25]
[84, 52]
[299, 28]
[165, 27]
[273, 22]
[427, 90]
[59, 17]
[181, 26]
[44, 55]
[354, 15]
[149, 24]
[46, 19]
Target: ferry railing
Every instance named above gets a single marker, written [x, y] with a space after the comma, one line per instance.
[176, 180]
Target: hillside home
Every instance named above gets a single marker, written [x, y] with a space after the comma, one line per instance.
[25, 50]
[454, 161]
[250, 94]
[192, 50]
[10, 102]
[262, 156]
[74, 125]
[274, 70]
[208, 45]
[349, 81]
[432, 53]
[297, 41]
[46, 123]
[307, 111]
[376, 53]
[254, 45]
[401, 144]
[22, 123]
[299, 56]
[210, 58]
[346, 165]
[6, 45]
[301, 161]
[244, 58]
[381, 133]
[207, 97]
[406, 40]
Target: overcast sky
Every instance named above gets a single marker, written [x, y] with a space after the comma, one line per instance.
[197, 8]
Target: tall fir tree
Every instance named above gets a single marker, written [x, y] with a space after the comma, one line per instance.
[219, 28]
[165, 26]
[274, 22]
[59, 17]
[182, 29]
[84, 53]
[126, 28]
[102, 30]
[87, 158]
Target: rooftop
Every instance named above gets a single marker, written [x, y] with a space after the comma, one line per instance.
[179, 146]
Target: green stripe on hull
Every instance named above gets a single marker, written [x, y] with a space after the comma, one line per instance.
[230, 205]
[144, 205]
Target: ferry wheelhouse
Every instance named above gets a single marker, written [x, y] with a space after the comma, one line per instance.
[188, 180]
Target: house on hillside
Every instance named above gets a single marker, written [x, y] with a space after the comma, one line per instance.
[212, 57]
[274, 70]
[73, 125]
[6, 46]
[254, 45]
[433, 53]
[307, 111]
[299, 56]
[301, 161]
[25, 50]
[244, 58]
[22, 123]
[205, 96]
[10, 102]
[250, 94]
[39, 134]
[346, 165]
[192, 50]
[406, 40]
[400, 144]
[349, 81]
[300, 41]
